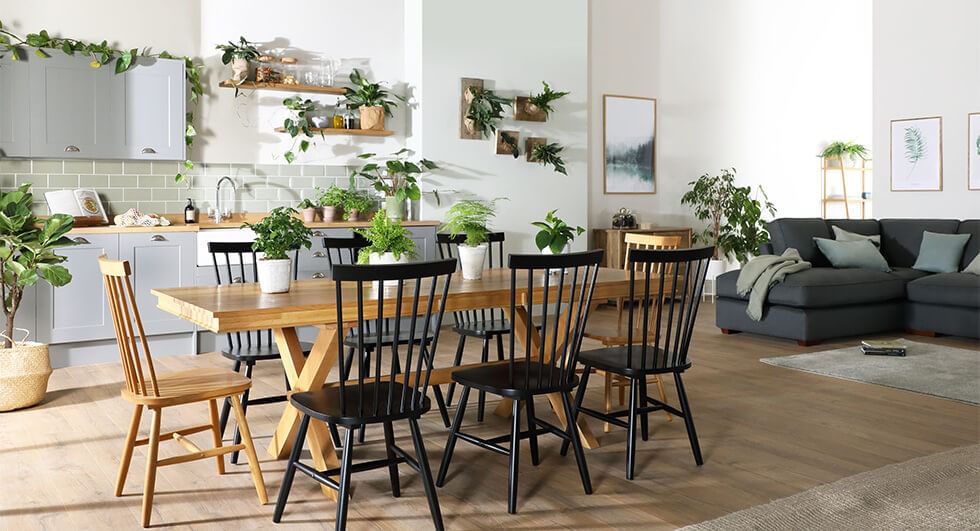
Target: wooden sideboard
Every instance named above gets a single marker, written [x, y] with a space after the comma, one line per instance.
[612, 241]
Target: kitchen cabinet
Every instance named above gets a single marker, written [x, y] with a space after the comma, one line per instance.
[15, 113]
[157, 261]
[152, 109]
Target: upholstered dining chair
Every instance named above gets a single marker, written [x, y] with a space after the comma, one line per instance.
[146, 389]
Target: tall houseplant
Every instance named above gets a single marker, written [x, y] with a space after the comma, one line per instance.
[734, 216]
[371, 101]
[838, 151]
[275, 235]
[27, 254]
[471, 218]
[397, 178]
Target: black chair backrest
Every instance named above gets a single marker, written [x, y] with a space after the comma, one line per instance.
[343, 250]
[672, 284]
[559, 301]
[416, 290]
[236, 271]
[448, 245]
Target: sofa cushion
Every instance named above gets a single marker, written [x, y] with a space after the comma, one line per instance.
[854, 253]
[941, 253]
[825, 287]
[907, 273]
[799, 233]
[867, 227]
[948, 289]
[842, 235]
[973, 267]
[972, 249]
[901, 238]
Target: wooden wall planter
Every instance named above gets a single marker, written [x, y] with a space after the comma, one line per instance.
[529, 144]
[503, 148]
[523, 112]
[464, 104]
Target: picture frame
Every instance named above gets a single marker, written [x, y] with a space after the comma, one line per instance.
[973, 151]
[916, 154]
[629, 145]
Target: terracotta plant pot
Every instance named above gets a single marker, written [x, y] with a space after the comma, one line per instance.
[239, 70]
[372, 117]
[353, 215]
[309, 215]
[24, 372]
[332, 213]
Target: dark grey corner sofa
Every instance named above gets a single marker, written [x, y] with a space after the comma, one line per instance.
[824, 302]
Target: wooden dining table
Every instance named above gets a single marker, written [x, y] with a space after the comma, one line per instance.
[239, 307]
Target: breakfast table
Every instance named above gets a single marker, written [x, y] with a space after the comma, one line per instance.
[240, 307]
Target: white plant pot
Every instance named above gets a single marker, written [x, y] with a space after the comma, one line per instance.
[386, 259]
[275, 275]
[566, 250]
[239, 70]
[471, 260]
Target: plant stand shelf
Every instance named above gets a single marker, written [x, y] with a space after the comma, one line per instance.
[255, 85]
[833, 173]
[350, 132]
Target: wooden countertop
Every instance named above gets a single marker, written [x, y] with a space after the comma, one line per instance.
[178, 225]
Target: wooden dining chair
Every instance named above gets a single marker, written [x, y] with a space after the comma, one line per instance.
[391, 389]
[618, 337]
[670, 282]
[544, 366]
[144, 388]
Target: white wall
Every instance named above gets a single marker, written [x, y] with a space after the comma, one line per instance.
[926, 63]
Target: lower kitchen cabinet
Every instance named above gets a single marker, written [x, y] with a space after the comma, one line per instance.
[164, 260]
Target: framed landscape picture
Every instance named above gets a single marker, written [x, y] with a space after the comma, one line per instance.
[973, 148]
[629, 140]
[917, 154]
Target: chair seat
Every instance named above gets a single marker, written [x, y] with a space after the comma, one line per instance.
[324, 404]
[371, 340]
[614, 360]
[192, 385]
[483, 328]
[498, 379]
[259, 353]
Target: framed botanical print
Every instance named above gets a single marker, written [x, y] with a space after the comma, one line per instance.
[917, 154]
[973, 149]
[629, 140]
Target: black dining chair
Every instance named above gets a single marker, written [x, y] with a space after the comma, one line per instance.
[545, 366]
[484, 324]
[392, 389]
[248, 347]
[659, 338]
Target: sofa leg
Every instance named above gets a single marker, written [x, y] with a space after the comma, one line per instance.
[923, 333]
[728, 331]
[807, 343]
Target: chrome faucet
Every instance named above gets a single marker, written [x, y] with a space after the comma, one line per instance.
[219, 212]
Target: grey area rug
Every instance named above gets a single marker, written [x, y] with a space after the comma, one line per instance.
[946, 372]
[940, 491]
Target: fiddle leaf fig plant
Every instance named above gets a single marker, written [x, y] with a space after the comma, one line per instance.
[27, 251]
[278, 233]
[485, 110]
[555, 233]
[549, 154]
[395, 176]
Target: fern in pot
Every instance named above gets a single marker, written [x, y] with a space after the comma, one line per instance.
[277, 234]
[471, 218]
[27, 254]
[389, 242]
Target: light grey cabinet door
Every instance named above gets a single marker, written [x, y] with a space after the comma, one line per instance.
[164, 260]
[15, 111]
[71, 110]
[425, 242]
[152, 108]
[78, 311]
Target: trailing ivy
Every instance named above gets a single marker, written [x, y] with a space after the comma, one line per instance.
[298, 123]
[102, 54]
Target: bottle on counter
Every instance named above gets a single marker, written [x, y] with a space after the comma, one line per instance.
[190, 213]
[348, 118]
[338, 116]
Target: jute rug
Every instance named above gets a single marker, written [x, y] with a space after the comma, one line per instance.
[946, 372]
[940, 491]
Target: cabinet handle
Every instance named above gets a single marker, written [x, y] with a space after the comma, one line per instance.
[236, 280]
[318, 254]
[81, 241]
[318, 275]
[158, 238]
[71, 149]
[318, 234]
[148, 151]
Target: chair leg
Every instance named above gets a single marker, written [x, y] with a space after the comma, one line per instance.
[619, 312]
[238, 435]
[423, 459]
[532, 435]
[367, 370]
[663, 396]
[500, 347]
[644, 417]
[348, 360]
[216, 434]
[287, 478]
[334, 435]
[631, 429]
[127, 455]
[447, 455]
[515, 452]
[441, 404]
[579, 397]
[583, 468]
[456, 362]
[226, 406]
[343, 500]
[396, 490]
[688, 419]
[151, 466]
[607, 394]
[253, 458]
[482, 400]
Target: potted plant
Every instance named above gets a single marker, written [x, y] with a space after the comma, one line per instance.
[371, 101]
[275, 235]
[331, 202]
[357, 203]
[397, 178]
[389, 242]
[472, 218]
[308, 209]
[538, 107]
[734, 217]
[548, 154]
[836, 152]
[298, 122]
[238, 55]
[555, 236]
[27, 253]
[484, 111]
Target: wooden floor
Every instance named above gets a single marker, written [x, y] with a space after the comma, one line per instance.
[766, 432]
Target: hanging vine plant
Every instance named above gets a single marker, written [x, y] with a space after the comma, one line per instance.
[102, 54]
[298, 123]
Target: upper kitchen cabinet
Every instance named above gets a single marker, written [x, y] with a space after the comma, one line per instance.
[153, 96]
[15, 114]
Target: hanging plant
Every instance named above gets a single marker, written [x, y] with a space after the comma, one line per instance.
[549, 155]
[102, 54]
[298, 123]
[485, 110]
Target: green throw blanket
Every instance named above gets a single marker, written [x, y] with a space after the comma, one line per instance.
[763, 272]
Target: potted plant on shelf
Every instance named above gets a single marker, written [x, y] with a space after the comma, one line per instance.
[275, 235]
[371, 101]
[836, 152]
[27, 253]
[734, 217]
[308, 208]
[472, 218]
[537, 107]
[238, 55]
[397, 178]
[548, 154]
[484, 111]
[555, 236]
[331, 202]
[389, 242]
[357, 204]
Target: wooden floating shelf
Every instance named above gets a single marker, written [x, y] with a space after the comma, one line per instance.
[255, 85]
[352, 132]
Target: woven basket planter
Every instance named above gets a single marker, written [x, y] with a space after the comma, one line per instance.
[24, 372]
